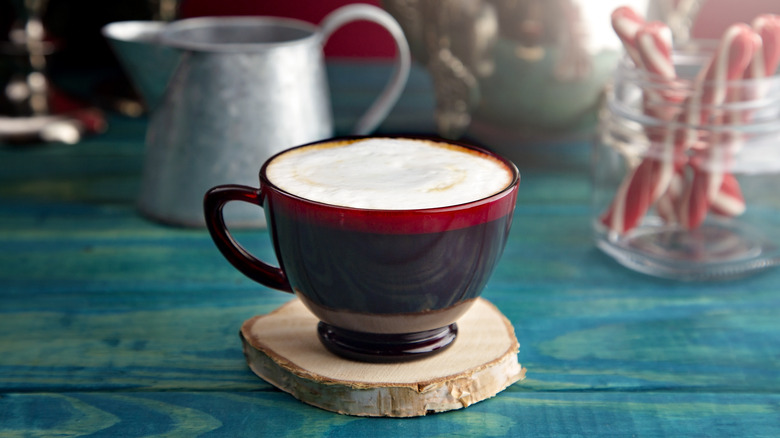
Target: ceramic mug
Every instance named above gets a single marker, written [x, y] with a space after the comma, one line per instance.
[386, 284]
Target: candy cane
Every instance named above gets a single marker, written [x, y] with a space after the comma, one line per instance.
[723, 190]
[728, 201]
[626, 22]
[767, 26]
[654, 44]
[732, 58]
[644, 184]
[668, 204]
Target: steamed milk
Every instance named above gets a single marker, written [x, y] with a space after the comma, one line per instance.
[388, 174]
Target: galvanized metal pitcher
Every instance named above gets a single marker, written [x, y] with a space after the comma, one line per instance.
[240, 90]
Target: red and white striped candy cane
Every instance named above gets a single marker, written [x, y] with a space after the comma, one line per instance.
[767, 26]
[725, 196]
[728, 201]
[668, 203]
[626, 22]
[644, 184]
[654, 44]
[729, 62]
[654, 55]
[732, 58]
[631, 200]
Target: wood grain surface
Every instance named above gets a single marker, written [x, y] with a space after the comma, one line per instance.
[113, 325]
[282, 347]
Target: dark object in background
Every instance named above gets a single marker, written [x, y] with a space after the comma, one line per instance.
[54, 64]
[77, 23]
[79, 61]
[84, 65]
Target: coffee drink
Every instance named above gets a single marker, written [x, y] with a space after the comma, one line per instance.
[389, 174]
[387, 241]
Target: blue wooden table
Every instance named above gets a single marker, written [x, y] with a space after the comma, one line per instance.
[113, 325]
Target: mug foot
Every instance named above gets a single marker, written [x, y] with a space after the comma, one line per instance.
[373, 347]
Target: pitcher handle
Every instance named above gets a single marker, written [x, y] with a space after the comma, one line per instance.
[254, 268]
[381, 107]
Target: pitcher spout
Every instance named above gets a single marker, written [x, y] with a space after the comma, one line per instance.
[149, 63]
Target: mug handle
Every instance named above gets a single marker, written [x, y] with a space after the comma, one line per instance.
[213, 203]
[381, 107]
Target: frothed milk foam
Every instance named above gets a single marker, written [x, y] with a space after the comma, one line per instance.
[388, 174]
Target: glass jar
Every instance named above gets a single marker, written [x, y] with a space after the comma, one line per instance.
[686, 175]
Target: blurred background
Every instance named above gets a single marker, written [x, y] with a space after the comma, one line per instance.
[504, 70]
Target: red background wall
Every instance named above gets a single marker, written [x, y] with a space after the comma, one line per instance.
[359, 39]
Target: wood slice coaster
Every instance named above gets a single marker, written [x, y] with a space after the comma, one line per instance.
[283, 349]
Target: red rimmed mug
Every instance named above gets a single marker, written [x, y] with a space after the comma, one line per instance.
[386, 285]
